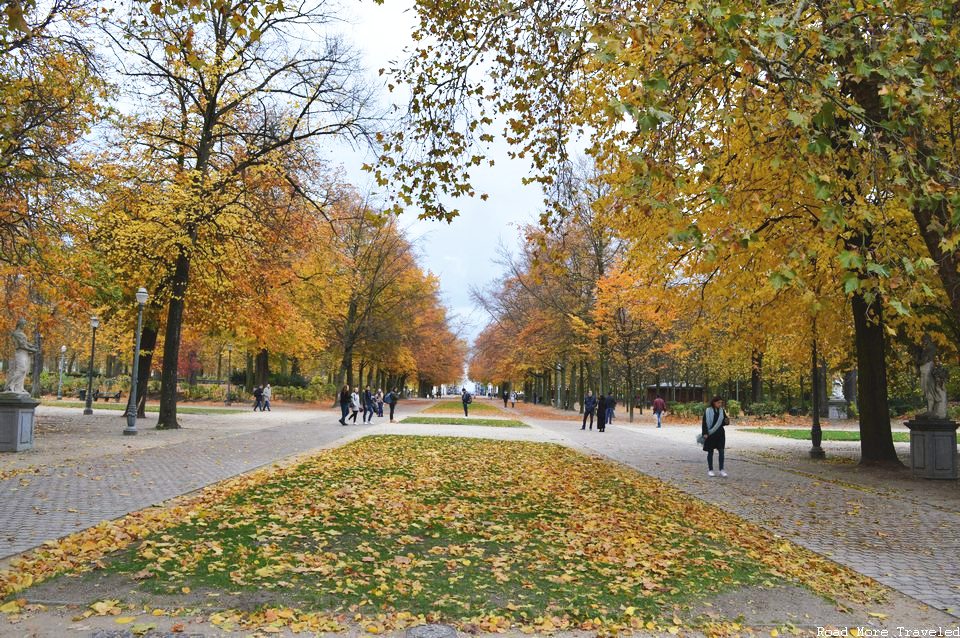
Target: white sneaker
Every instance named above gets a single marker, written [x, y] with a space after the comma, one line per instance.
[710, 473]
[723, 474]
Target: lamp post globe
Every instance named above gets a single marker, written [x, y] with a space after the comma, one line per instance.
[131, 428]
[94, 324]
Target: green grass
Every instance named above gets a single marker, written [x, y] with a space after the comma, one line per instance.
[828, 435]
[458, 528]
[449, 420]
[456, 406]
[181, 409]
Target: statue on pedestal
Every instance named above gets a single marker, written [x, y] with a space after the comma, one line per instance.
[22, 355]
[837, 393]
[933, 380]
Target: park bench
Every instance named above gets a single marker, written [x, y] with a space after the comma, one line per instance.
[107, 396]
[97, 395]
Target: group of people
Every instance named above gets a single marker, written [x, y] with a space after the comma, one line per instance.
[511, 397]
[261, 398]
[603, 406]
[370, 403]
[712, 434]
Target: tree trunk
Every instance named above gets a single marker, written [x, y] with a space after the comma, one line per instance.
[171, 345]
[345, 374]
[756, 376]
[148, 343]
[876, 437]
[37, 366]
[248, 372]
[261, 372]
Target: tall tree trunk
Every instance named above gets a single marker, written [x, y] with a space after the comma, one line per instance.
[345, 374]
[876, 437]
[37, 366]
[756, 376]
[171, 345]
[262, 367]
[148, 343]
[248, 382]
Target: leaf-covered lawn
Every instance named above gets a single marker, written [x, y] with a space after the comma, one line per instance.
[392, 531]
[828, 435]
[456, 407]
[442, 420]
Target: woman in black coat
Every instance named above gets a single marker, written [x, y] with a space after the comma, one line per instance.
[714, 437]
[601, 413]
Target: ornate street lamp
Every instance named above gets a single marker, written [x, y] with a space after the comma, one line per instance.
[63, 361]
[226, 399]
[94, 324]
[132, 410]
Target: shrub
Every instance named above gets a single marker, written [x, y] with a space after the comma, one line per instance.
[288, 380]
[766, 408]
[733, 408]
[902, 405]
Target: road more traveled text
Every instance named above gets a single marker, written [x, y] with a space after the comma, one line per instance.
[896, 632]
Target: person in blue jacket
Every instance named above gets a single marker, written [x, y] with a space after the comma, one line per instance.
[589, 406]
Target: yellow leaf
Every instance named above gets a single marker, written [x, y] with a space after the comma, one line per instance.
[877, 614]
[185, 590]
[123, 620]
[774, 633]
[12, 607]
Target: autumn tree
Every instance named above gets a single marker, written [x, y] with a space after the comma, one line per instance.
[222, 90]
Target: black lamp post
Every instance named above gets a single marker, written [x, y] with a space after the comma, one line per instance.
[131, 428]
[226, 399]
[94, 324]
[816, 432]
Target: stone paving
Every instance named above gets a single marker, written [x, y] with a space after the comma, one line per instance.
[908, 539]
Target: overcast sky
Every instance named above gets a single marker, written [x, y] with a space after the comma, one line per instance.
[461, 252]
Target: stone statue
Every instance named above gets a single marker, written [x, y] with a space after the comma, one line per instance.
[837, 393]
[22, 355]
[933, 380]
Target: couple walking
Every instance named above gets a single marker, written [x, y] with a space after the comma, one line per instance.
[604, 408]
[261, 398]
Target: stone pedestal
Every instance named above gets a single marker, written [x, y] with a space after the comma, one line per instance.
[837, 409]
[933, 448]
[16, 421]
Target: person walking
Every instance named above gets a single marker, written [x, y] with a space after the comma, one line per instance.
[659, 407]
[344, 403]
[611, 404]
[257, 398]
[267, 395]
[391, 401]
[506, 397]
[601, 413]
[379, 399]
[354, 404]
[467, 400]
[589, 405]
[713, 435]
[513, 399]
[368, 407]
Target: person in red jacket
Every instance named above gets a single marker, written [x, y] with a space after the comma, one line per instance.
[659, 407]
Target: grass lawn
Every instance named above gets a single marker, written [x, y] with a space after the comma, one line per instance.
[456, 406]
[181, 409]
[447, 420]
[828, 435]
[391, 531]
